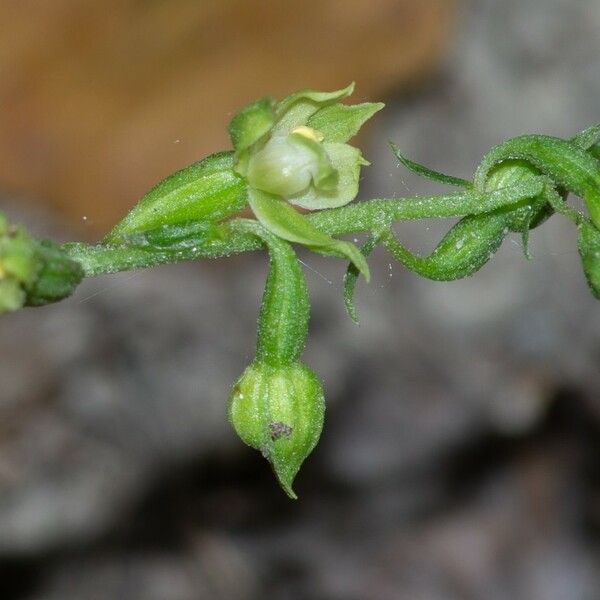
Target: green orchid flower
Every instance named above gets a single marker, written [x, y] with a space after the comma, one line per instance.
[294, 152]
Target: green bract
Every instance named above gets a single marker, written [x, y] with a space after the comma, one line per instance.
[208, 190]
[294, 151]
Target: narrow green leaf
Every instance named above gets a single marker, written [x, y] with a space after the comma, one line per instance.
[282, 220]
[351, 277]
[206, 190]
[340, 122]
[428, 173]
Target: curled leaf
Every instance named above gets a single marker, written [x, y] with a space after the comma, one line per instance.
[566, 163]
[468, 246]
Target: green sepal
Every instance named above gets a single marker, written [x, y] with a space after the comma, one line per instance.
[567, 164]
[351, 277]
[468, 246]
[252, 123]
[206, 190]
[279, 411]
[346, 161]
[589, 250]
[428, 173]
[340, 122]
[299, 107]
[284, 312]
[284, 221]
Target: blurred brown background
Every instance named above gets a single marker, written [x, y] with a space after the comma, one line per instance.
[101, 100]
[460, 456]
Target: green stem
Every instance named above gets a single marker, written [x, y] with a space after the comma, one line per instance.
[368, 216]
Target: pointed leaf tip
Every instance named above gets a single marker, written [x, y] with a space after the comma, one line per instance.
[428, 173]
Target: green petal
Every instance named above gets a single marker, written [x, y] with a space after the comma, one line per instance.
[296, 109]
[251, 123]
[340, 122]
[346, 160]
[324, 174]
[282, 220]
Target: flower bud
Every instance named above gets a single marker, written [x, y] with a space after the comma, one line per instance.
[279, 411]
[33, 272]
[19, 265]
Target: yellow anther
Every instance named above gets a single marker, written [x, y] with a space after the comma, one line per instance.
[308, 132]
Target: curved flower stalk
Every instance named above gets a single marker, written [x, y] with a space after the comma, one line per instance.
[277, 406]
